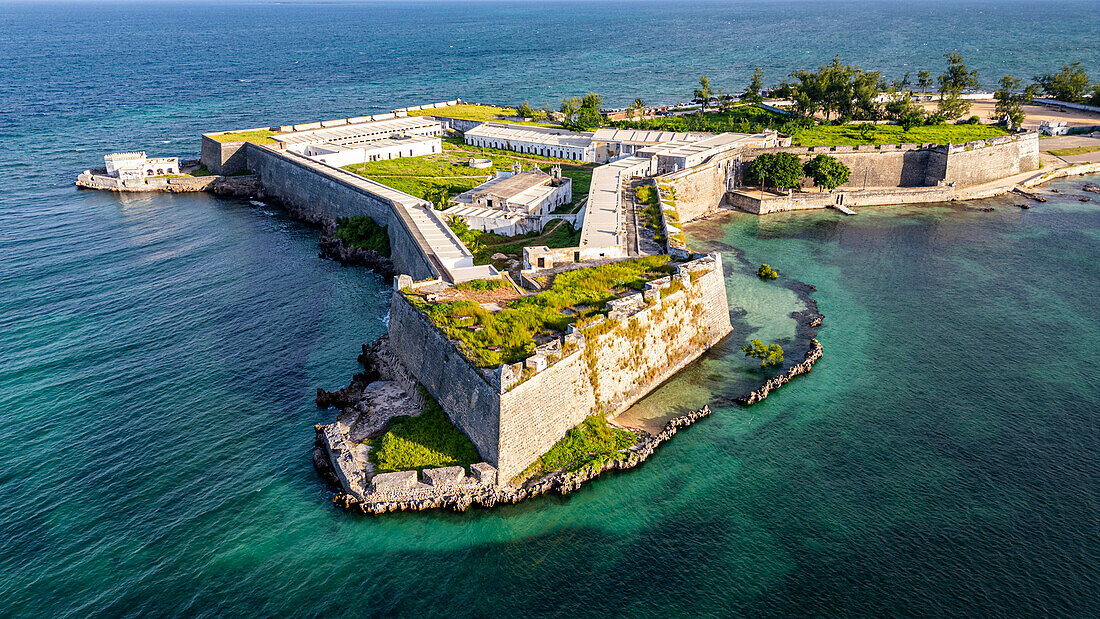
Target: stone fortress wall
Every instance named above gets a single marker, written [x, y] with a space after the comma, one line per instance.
[319, 195]
[914, 170]
[516, 413]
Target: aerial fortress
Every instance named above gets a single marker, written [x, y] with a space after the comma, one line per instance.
[513, 358]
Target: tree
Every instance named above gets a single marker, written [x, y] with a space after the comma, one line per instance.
[592, 101]
[439, 196]
[581, 114]
[924, 80]
[752, 94]
[952, 84]
[525, 111]
[907, 112]
[766, 272]
[703, 93]
[1010, 101]
[770, 355]
[638, 105]
[469, 238]
[827, 172]
[837, 88]
[1070, 84]
[779, 170]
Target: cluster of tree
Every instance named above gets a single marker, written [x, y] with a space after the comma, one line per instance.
[784, 171]
[834, 89]
[769, 355]
[707, 93]
[1070, 84]
[469, 237]
[581, 113]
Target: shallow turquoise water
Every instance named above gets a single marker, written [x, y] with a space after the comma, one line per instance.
[159, 354]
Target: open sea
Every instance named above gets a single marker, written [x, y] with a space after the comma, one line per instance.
[159, 353]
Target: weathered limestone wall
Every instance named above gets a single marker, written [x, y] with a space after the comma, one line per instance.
[620, 361]
[887, 165]
[988, 160]
[749, 201]
[223, 158]
[701, 190]
[469, 398]
[608, 366]
[316, 196]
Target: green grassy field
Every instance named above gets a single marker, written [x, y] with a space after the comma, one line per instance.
[258, 136]
[428, 440]
[740, 119]
[892, 134]
[419, 176]
[470, 111]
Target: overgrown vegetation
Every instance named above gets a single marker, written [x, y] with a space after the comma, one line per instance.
[507, 336]
[766, 272]
[361, 232]
[477, 285]
[257, 136]
[590, 444]
[770, 355]
[426, 441]
[646, 194]
[582, 113]
[469, 237]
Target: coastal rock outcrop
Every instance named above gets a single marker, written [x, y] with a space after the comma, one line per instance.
[807, 364]
[336, 249]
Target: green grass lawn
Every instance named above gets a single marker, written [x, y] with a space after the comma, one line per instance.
[470, 111]
[740, 119]
[418, 176]
[258, 136]
[426, 441]
[491, 338]
[1076, 150]
[592, 443]
[828, 135]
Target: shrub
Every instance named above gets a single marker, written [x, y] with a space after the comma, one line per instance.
[770, 355]
[766, 272]
[591, 443]
[646, 194]
[363, 233]
[482, 284]
[426, 441]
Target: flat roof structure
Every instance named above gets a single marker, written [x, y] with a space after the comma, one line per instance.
[645, 136]
[359, 132]
[603, 214]
[537, 135]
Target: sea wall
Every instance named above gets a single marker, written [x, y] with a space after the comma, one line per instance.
[223, 157]
[313, 192]
[701, 190]
[982, 161]
[601, 368]
[470, 399]
[751, 201]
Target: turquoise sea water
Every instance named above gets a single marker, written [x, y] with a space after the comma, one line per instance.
[159, 354]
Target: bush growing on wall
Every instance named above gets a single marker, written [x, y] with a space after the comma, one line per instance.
[363, 233]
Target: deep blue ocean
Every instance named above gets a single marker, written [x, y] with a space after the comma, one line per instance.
[159, 354]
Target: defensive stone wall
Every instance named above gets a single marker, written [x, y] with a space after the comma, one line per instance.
[518, 412]
[701, 190]
[310, 193]
[982, 161]
[223, 157]
[469, 397]
[751, 201]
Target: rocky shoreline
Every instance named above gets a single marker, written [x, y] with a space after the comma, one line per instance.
[462, 497]
[336, 249]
